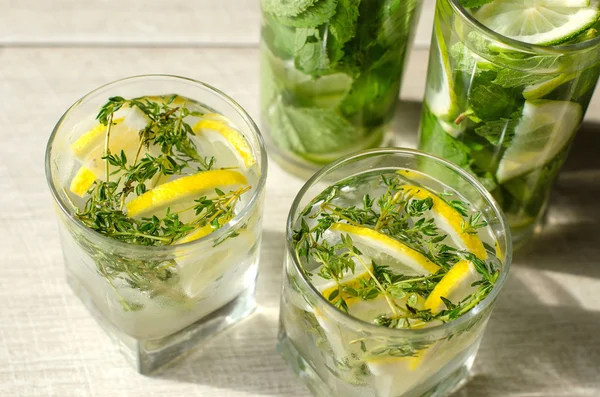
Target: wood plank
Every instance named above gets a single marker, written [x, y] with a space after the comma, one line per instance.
[546, 320]
[143, 22]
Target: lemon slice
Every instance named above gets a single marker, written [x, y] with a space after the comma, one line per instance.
[454, 286]
[450, 221]
[82, 181]
[538, 21]
[219, 133]
[349, 279]
[393, 376]
[387, 251]
[543, 131]
[184, 190]
[201, 272]
[89, 148]
[92, 139]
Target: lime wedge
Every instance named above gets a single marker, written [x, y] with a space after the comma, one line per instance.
[439, 95]
[539, 21]
[539, 90]
[544, 129]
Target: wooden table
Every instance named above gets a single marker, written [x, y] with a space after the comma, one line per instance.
[543, 338]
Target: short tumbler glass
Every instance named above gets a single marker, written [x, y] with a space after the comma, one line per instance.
[428, 362]
[157, 323]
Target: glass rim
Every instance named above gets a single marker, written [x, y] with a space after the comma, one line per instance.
[554, 49]
[366, 326]
[263, 167]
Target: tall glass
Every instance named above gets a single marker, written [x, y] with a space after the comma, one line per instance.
[330, 75]
[336, 354]
[505, 110]
[157, 302]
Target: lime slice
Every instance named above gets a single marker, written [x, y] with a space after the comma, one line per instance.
[539, 90]
[450, 221]
[226, 142]
[544, 129]
[439, 93]
[538, 21]
[454, 286]
[181, 192]
[387, 251]
[373, 139]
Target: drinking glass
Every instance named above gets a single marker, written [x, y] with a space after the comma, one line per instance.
[336, 354]
[157, 302]
[330, 76]
[505, 110]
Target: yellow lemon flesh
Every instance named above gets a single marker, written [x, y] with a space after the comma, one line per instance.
[89, 149]
[219, 132]
[450, 221]
[385, 250]
[349, 278]
[185, 189]
[454, 286]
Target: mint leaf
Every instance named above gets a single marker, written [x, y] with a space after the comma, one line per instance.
[474, 3]
[310, 56]
[373, 94]
[321, 131]
[434, 139]
[288, 8]
[509, 78]
[585, 84]
[500, 131]
[279, 38]
[492, 102]
[313, 16]
[462, 59]
[281, 128]
[396, 18]
[343, 24]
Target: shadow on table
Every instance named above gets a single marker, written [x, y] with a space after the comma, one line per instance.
[570, 236]
[405, 126]
[244, 357]
[534, 349]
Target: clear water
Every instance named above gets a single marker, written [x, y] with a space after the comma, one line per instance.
[335, 357]
[204, 277]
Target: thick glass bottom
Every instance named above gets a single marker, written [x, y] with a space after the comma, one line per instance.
[304, 166]
[324, 384]
[149, 355]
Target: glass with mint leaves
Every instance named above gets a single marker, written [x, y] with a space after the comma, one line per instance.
[158, 184]
[508, 84]
[390, 275]
[330, 75]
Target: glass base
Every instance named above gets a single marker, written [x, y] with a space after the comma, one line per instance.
[439, 385]
[149, 355]
[305, 168]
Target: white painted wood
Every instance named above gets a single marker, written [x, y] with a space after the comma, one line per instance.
[542, 339]
[143, 22]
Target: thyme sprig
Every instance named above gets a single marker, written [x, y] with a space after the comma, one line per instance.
[405, 218]
[170, 135]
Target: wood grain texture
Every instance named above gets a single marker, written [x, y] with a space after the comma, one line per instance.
[542, 339]
[144, 22]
